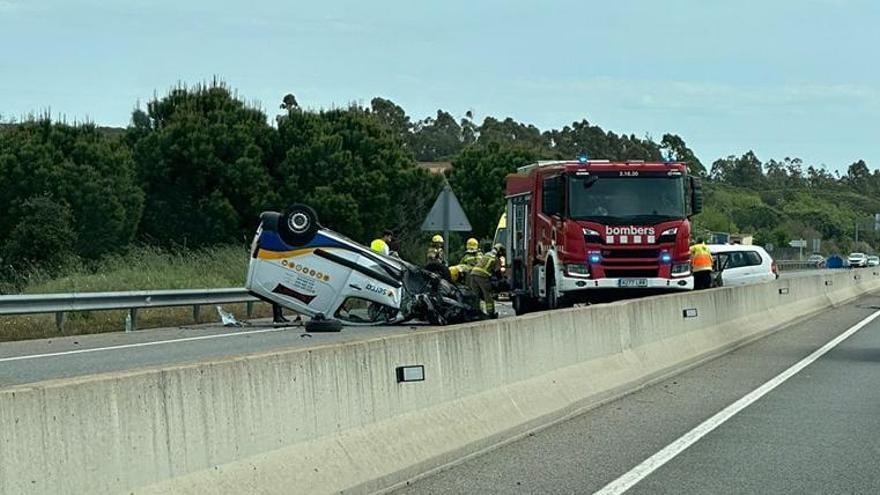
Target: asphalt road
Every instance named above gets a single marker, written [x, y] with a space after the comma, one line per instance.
[45, 359]
[817, 432]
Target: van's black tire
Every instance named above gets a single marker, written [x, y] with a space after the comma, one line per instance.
[298, 225]
[322, 325]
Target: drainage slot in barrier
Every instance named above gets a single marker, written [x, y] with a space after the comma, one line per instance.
[689, 313]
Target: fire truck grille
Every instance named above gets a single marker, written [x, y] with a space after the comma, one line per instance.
[631, 253]
[638, 273]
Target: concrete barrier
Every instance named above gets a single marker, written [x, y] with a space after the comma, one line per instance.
[333, 418]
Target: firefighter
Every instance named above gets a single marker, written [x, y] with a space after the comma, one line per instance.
[481, 278]
[472, 255]
[435, 252]
[701, 261]
[435, 260]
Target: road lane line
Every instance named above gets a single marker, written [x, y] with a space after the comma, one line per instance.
[638, 473]
[139, 344]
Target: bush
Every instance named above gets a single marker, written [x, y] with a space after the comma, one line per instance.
[87, 174]
[203, 158]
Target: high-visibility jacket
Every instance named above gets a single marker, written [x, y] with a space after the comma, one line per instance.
[471, 258]
[701, 258]
[487, 264]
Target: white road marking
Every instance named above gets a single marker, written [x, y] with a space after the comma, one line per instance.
[638, 473]
[140, 344]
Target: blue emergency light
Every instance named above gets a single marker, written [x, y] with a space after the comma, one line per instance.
[594, 258]
[665, 258]
[583, 158]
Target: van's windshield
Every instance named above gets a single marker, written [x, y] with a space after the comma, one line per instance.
[610, 199]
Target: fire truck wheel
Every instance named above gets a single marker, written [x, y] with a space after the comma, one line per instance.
[554, 301]
[298, 225]
[522, 304]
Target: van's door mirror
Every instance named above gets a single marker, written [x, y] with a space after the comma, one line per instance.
[696, 195]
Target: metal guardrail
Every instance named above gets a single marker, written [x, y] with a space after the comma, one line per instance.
[132, 301]
[795, 265]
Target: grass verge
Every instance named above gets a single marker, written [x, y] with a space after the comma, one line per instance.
[143, 268]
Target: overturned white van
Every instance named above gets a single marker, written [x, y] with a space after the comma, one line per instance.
[319, 273]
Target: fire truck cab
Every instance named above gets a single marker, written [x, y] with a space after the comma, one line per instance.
[593, 230]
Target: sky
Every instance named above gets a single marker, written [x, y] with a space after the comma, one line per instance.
[785, 78]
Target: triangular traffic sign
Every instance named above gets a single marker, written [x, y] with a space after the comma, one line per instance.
[447, 215]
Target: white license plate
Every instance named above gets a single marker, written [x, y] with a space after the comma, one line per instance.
[630, 283]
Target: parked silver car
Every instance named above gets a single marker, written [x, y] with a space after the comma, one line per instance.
[816, 260]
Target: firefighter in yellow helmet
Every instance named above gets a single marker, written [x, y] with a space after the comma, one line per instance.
[481, 278]
[472, 253]
[470, 259]
[701, 261]
[436, 261]
[435, 252]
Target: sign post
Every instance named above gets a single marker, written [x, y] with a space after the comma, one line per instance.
[447, 216]
[799, 243]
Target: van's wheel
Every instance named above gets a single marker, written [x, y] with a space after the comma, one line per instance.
[298, 225]
[321, 324]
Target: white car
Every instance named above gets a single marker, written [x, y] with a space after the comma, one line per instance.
[857, 260]
[742, 265]
[873, 260]
[316, 272]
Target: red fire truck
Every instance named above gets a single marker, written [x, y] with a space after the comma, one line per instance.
[591, 230]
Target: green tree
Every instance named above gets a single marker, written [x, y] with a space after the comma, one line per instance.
[675, 145]
[509, 132]
[351, 168]
[394, 119]
[582, 137]
[478, 179]
[204, 159]
[79, 167]
[438, 138]
[745, 171]
[859, 177]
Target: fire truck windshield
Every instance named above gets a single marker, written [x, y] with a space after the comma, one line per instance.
[614, 199]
